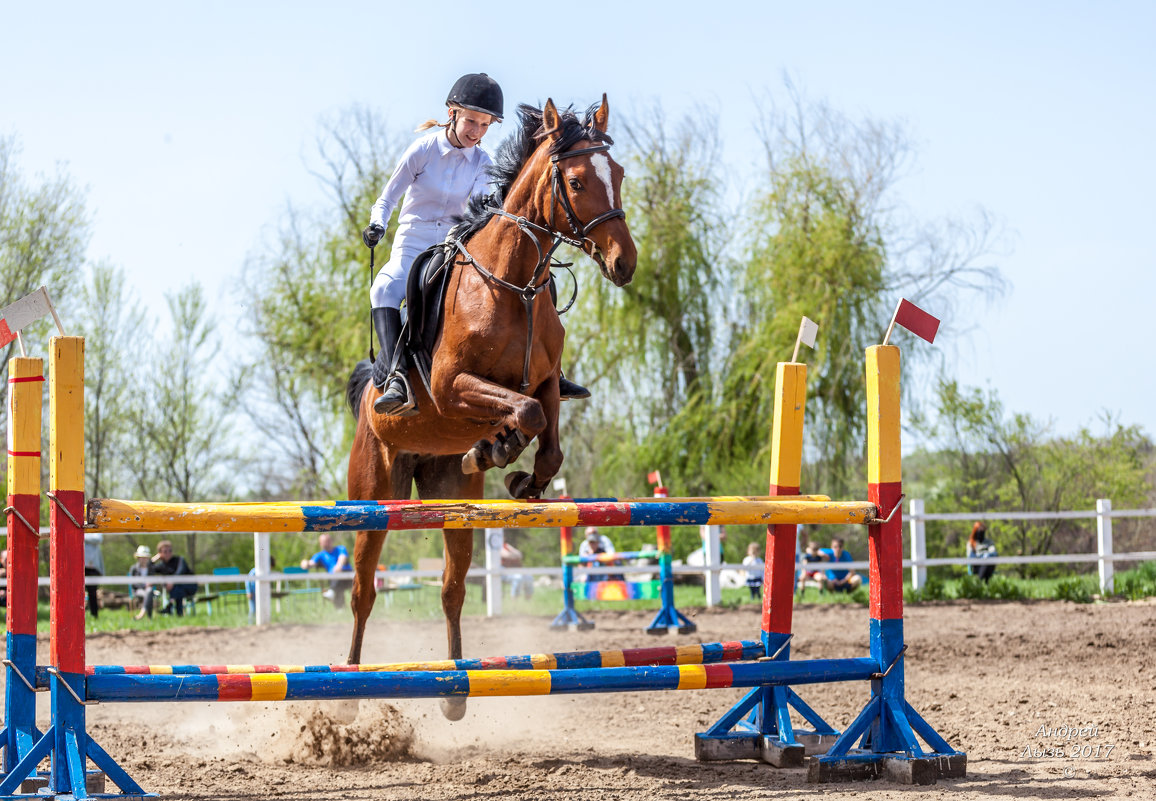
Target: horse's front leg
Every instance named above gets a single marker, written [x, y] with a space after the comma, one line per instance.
[471, 396]
[548, 460]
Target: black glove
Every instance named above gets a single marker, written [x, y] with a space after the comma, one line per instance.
[372, 235]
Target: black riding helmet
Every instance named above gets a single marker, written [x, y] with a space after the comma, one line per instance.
[477, 92]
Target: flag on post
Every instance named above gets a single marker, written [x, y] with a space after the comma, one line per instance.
[654, 478]
[23, 312]
[808, 328]
[915, 320]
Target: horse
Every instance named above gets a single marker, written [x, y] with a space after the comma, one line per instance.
[493, 377]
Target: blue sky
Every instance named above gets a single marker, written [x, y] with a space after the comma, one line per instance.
[190, 125]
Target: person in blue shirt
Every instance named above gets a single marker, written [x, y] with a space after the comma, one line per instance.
[840, 580]
[438, 174]
[335, 560]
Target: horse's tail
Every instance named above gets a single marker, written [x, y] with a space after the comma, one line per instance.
[356, 386]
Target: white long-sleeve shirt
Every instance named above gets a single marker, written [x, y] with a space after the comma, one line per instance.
[437, 180]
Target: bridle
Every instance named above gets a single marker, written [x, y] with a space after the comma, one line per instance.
[540, 280]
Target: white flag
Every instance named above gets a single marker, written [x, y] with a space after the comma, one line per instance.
[25, 311]
[807, 331]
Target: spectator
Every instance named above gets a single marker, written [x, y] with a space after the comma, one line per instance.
[520, 584]
[335, 559]
[169, 564]
[595, 543]
[811, 555]
[251, 588]
[979, 547]
[143, 592]
[840, 580]
[755, 568]
[93, 566]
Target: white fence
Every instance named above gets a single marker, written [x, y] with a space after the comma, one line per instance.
[493, 573]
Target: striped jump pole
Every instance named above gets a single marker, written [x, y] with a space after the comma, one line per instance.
[25, 397]
[886, 729]
[759, 726]
[700, 654]
[468, 683]
[668, 618]
[67, 741]
[108, 515]
[569, 617]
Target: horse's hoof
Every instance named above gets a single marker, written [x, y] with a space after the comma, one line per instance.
[454, 708]
[520, 486]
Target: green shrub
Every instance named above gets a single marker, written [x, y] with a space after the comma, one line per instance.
[1004, 589]
[971, 587]
[933, 590]
[1138, 583]
[1075, 590]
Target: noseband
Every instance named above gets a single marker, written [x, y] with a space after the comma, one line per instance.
[581, 232]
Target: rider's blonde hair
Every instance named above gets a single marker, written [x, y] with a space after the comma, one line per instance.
[432, 123]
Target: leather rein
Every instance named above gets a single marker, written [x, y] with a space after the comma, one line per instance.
[540, 280]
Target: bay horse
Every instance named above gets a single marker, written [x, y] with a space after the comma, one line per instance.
[493, 378]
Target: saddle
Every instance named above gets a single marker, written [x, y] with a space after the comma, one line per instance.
[425, 293]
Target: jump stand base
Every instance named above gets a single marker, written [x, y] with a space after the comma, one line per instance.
[585, 625]
[37, 786]
[901, 769]
[763, 747]
[660, 630]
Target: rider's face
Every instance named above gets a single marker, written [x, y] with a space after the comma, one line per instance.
[470, 126]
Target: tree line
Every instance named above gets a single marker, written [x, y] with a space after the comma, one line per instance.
[681, 361]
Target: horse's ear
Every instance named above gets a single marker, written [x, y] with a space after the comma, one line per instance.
[602, 115]
[551, 122]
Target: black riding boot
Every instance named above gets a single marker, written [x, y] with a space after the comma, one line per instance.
[397, 399]
[567, 389]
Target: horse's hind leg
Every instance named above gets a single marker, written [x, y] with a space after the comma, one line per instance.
[441, 477]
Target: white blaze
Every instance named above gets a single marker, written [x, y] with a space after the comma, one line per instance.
[601, 164]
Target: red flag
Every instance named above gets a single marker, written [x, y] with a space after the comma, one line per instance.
[916, 320]
[654, 478]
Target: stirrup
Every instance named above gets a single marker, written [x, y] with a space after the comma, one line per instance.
[398, 399]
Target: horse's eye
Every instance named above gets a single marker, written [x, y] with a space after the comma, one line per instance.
[575, 184]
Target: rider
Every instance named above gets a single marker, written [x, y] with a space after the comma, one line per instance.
[438, 174]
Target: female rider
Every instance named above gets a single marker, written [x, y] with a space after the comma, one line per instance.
[438, 174]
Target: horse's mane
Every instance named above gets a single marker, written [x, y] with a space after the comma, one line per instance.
[512, 154]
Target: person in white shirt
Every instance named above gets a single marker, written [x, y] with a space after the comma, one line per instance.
[438, 174]
[595, 543]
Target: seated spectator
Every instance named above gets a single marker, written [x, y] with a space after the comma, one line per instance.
[169, 564]
[840, 580]
[335, 559]
[755, 569]
[979, 547]
[143, 592]
[595, 543]
[810, 556]
[93, 566]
